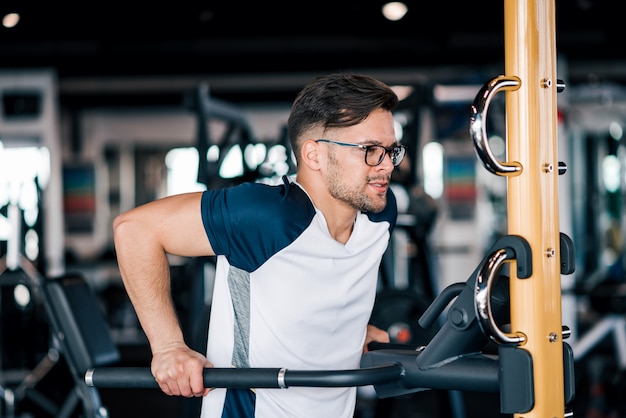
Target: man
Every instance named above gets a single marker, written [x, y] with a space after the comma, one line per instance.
[297, 263]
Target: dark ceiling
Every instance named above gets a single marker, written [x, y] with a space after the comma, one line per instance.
[267, 48]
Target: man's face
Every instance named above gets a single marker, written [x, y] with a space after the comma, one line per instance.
[349, 178]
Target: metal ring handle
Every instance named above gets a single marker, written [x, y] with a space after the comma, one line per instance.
[482, 299]
[478, 125]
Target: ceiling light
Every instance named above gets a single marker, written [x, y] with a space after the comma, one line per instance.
[10, 19]
[394, 10]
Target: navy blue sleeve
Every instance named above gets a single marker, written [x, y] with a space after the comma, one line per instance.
[250, 222]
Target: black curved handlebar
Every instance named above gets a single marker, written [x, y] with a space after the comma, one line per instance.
[138, 377]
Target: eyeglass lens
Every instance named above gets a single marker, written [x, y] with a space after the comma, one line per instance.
[376, 153]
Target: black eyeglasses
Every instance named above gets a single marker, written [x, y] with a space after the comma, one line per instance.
[375, 154]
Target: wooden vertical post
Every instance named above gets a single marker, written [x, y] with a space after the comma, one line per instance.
[532, 195]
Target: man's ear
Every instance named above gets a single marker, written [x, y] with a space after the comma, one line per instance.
[310, 154]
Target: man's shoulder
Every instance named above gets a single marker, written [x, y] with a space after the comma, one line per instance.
[268, 204]
[263, 196]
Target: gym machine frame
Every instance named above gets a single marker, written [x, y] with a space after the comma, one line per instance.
[79, 333]
[533, 368]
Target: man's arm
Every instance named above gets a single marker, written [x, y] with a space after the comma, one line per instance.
[143, 237]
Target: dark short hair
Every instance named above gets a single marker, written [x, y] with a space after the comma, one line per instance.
[335, 101]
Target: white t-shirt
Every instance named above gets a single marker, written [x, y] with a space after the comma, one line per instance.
[288, 295]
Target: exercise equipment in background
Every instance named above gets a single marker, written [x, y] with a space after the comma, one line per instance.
[77, 339]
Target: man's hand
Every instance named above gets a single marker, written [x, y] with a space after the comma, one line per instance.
[179, 371]
[375, 334]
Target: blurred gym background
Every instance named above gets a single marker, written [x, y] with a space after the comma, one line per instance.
[104, 106]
